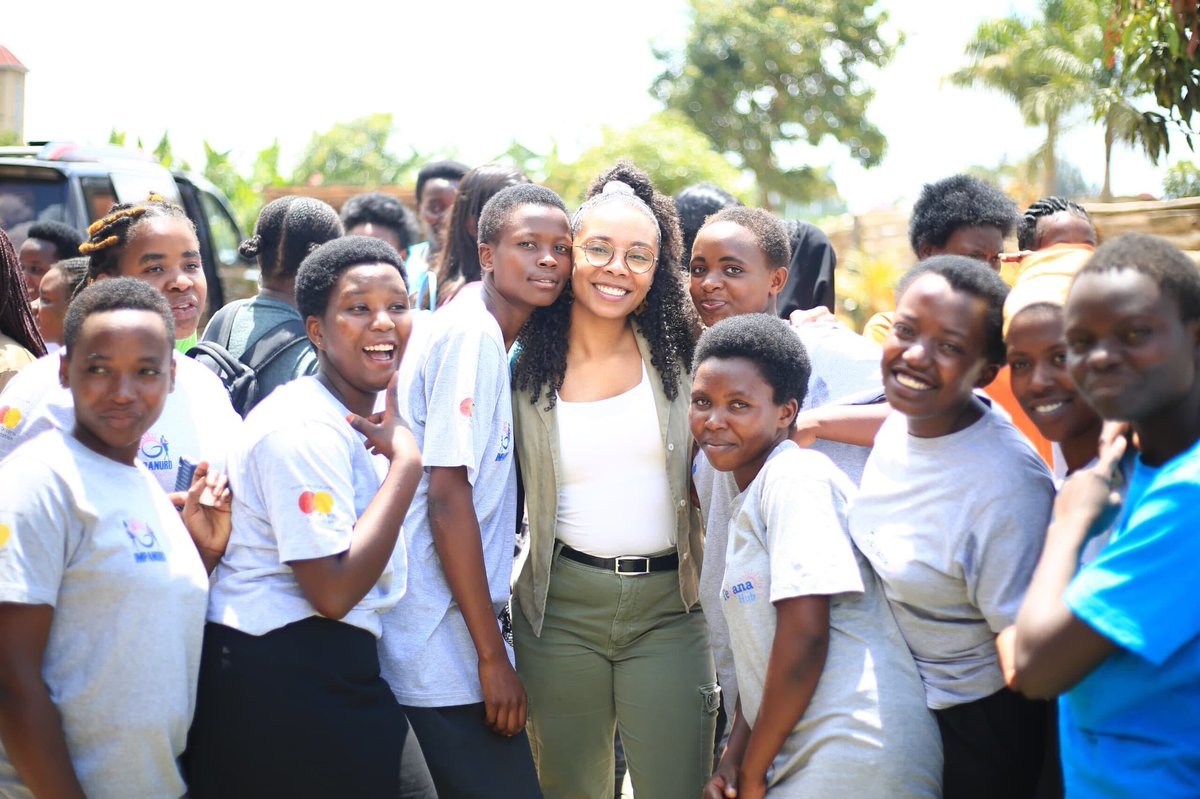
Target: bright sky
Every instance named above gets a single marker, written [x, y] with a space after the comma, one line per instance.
[467, 78]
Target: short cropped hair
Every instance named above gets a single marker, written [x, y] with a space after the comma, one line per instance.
[769, 232]
[766, 341]
[1172, 271]
[498, 210]
[64, 238]
[319, 272]
[977, 279]
[957, 202]
[385, 211]
[116, 294]
[452, 171]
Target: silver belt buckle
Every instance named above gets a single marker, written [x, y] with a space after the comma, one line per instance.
[632, 558]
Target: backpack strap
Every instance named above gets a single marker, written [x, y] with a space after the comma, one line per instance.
[223, 319]
[274, 343]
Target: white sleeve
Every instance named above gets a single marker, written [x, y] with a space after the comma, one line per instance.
[462, 390]
[304, 478]
[806, 538]
[38, 533]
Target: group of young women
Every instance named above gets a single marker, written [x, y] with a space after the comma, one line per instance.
[887, 608]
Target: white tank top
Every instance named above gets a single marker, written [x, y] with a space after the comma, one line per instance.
[613, 497]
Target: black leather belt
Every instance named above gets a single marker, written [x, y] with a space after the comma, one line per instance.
[624, 564]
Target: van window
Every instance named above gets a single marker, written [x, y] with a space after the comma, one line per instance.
[223, 231]
[98, 196]
[25, 200]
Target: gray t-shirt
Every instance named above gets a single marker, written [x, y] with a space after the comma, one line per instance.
[460, 406]
[866, 731]
[301, 478]
[954, 527]
[100, 543]
[197, 421]
[252, 320]
[844, 365]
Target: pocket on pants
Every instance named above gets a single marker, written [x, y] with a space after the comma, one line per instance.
[710, 698]
[710, 704]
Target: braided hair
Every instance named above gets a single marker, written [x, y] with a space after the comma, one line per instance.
[668, 321]
[16, 317]
[1027, 228]
[109, 235]
[287, 230]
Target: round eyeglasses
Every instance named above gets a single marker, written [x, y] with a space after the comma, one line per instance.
[599, 252]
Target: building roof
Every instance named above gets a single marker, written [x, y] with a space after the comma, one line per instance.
[10, 62]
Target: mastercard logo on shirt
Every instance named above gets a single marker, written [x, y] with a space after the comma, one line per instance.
[316, 502]
[5, 534]
[9, 417]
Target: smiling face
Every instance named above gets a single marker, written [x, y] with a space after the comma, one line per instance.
[982, 242]
[164, 252]
[119, 371]
[1037, 357]
[52, 306]
[36, 257]
[1127, 348]
[734, 417]
[613, 291]
[362, 333]
[729, 274]
[531, 258]
[934, 357]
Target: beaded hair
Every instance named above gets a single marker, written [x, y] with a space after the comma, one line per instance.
[109, 235]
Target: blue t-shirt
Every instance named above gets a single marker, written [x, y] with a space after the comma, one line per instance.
[1132, 726]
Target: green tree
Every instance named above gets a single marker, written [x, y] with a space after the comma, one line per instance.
[671, 151]
[757, 74]
[244, 194]
[1045, 65]
[1182, 180]
[356, 153]
[1159, 42]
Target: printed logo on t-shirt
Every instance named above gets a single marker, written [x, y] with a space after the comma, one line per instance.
[743, 591]
[10, 420]
[5, 534]
[156, 453]
[145, 543]
[467, 407]
[316, 502]
[505, 442]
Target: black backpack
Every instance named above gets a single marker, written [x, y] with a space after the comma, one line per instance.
[240, 375]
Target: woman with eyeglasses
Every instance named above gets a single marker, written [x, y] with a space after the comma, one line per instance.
[606, 624]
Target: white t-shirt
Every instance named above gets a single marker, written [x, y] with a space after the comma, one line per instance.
[844, 365]
[866, 731]
[613, 448]
[461, 412]
[300, 479]
[954, 527]
[197, 421]
[100, 543]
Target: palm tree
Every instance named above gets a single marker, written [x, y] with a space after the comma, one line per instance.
[1046, 66]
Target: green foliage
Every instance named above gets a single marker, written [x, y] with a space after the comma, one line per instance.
[244, 194]
[671, 151]
[1182, 180]
[755, 74]
[1045, 65]
[356, 153]
[1159, 43]
[10, 138]
[117, 138]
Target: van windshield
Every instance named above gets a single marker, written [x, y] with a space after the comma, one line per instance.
[24, 201]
